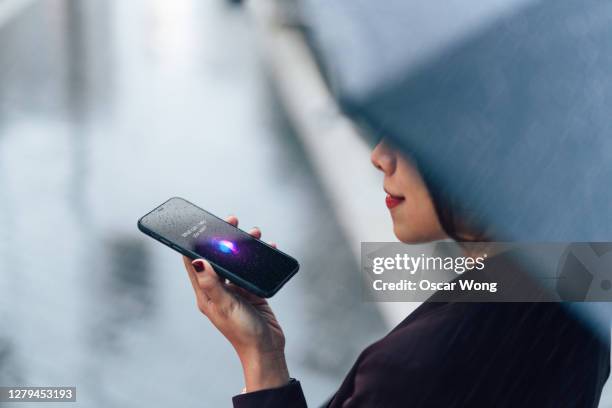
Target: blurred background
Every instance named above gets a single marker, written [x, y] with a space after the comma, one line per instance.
[107, 108]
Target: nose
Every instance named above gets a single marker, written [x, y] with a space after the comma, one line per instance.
[383, 158]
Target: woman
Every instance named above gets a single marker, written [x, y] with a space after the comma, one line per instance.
[442, 354]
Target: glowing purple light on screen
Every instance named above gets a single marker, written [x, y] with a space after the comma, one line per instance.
[227, 246]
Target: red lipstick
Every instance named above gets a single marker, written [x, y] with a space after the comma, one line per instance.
[392, 201]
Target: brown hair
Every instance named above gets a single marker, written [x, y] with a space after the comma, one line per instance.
[459, 223]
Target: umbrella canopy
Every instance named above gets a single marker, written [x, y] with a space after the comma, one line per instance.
[506, 105]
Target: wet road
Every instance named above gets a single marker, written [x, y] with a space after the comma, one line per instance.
[107, 109]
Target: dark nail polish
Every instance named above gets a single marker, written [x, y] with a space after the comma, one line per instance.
[198, 265]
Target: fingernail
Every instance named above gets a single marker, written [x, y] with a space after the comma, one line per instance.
[198, 265]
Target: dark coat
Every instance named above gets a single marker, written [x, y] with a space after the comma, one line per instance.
[470, 355]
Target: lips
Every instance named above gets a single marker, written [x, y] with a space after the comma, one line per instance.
[393, 201]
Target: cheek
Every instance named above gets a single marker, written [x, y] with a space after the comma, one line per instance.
[413, 229]
[416, 220]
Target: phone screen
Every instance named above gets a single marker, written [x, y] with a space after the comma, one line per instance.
[236, 255]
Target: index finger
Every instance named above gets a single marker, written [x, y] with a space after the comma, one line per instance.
[232, 219]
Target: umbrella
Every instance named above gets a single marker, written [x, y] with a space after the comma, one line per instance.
[506, 105]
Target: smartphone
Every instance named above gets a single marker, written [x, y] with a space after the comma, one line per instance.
[246, 261]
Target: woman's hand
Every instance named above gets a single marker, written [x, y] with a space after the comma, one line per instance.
[245, 319]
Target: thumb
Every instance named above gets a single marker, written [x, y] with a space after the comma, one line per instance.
[211, 284]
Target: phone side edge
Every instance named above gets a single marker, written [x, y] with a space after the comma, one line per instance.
[290, 275]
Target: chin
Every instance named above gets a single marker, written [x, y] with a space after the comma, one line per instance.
[406, 236]
[409, 235]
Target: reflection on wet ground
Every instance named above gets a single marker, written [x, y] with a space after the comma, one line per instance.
[108, 108]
